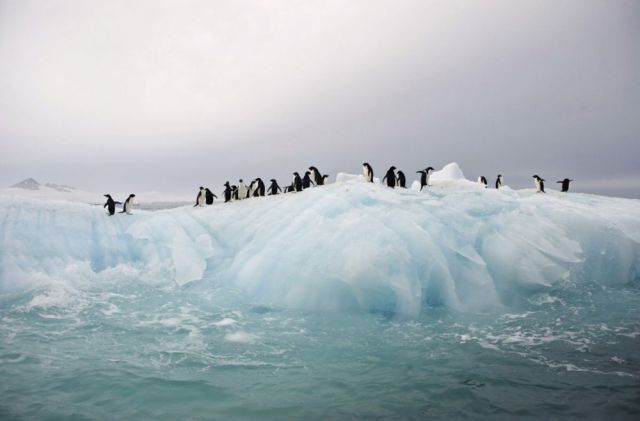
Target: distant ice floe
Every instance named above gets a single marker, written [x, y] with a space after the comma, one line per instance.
[346, 245]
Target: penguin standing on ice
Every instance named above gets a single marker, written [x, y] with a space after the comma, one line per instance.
[209, 196]
[126, 208]
[424, 177]
[367, 171]
[227, 192]
[259, 189]
[306, 180]
[499, 181]
[325, 179]
[539, 184]
[390, 176]
[483, 180]
[565, 184]
[242, 190]
[234, 192]
[274, 187]
[297, 182]
[251, 191]
[111, 204]
[401, 180]
[200, 198]
[318, 179]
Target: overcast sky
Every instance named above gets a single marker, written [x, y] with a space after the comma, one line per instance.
[170, 95]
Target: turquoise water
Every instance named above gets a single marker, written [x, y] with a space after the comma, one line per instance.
[128, 350]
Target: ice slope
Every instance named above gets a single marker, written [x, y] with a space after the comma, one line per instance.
[347, 245]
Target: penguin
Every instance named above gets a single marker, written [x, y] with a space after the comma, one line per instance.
[424, 178]
[209, 196]
[260, 189]
[234, 192]
[483, 180]
[111, 204]
[252, 189]
[126, 208]
[227, 192]
[200, 198]
[401, 180]
[290, 188]
[499, 181]
[297, 182]
[274, 187]
[325, 179]
[306, 180]
[390, 176]
[242, 190]
[539, 184]
[367, 171]
[565, 184]
[317, 177]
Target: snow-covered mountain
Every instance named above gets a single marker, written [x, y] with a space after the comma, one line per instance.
[30, 188]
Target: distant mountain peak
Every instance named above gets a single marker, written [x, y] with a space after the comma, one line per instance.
[29, 184]
[32, 184]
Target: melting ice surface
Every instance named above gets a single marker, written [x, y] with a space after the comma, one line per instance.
[347, 300]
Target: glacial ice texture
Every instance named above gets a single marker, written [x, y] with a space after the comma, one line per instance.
[349, 245]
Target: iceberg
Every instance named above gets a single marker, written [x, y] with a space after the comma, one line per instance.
[349, 245]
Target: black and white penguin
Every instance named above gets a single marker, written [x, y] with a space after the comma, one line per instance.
[390, 176]
[325, 179]
[111, 204]
[290, 188]
[367, 171]
[306, 180]
[316, 176]
[274, 187]
[227, 192]
[565, 184]
[242, 190]
[297, 182]
[483, 180]
[259, 187]
[251, 190]
[128, 204]
[499, 181]
[424, 177]
[209, 196]
[234, 192]
[201, 197]
[401, 180]
[539, 184]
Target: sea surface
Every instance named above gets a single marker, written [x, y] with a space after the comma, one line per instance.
[133, 350]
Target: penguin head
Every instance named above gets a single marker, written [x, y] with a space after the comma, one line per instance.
[201, 188]
[296, 174]
[132, 195]
[107, 195]
[325, 176]
[429, 169]
[273, 180]
[392, 168]
[240, 181]
[226, 184]
[365, 164]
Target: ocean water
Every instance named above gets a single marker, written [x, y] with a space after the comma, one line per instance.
[134, 351]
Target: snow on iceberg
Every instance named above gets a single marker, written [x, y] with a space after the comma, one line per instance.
[347, 245]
